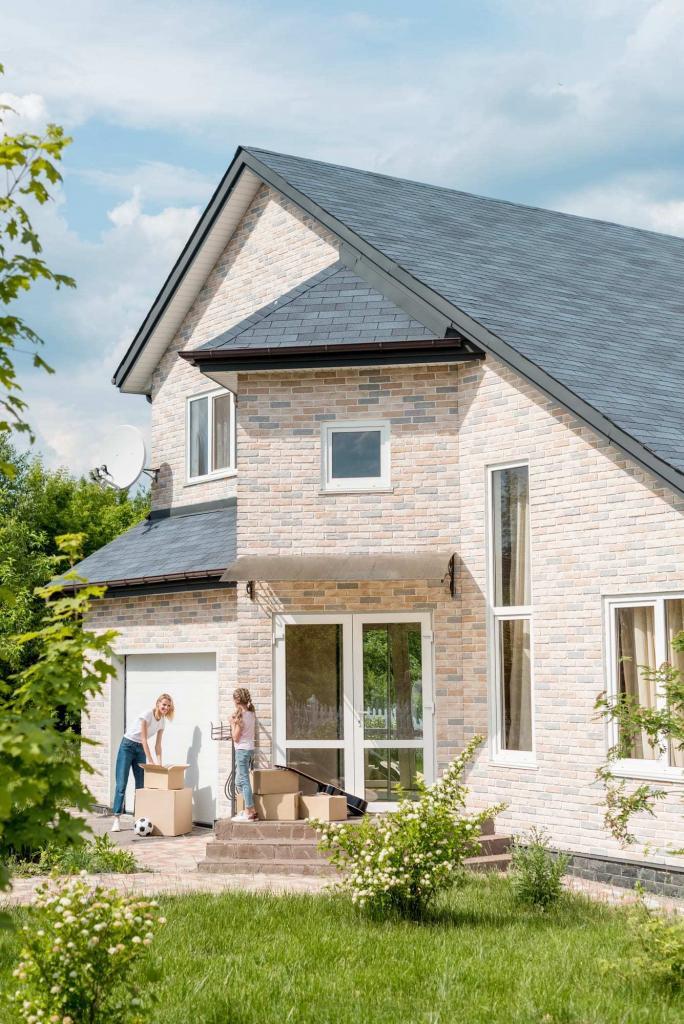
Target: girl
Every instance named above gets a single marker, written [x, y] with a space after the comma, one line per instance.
[134, 750]
[243, 726]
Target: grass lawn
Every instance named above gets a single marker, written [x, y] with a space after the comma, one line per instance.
[480, 959]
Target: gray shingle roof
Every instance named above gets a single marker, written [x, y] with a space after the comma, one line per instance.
[202, 542]
[597, 306]
[333, 306]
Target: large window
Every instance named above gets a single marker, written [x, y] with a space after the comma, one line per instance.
[510, 613]
[641, 634]
[355, 456]
[210, 435]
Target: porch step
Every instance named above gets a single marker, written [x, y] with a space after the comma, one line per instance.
[291, 847]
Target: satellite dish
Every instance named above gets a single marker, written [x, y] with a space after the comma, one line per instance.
[123, 459]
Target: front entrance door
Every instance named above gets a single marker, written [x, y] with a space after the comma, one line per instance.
[353, 700]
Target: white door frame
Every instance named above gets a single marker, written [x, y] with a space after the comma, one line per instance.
[353, 743]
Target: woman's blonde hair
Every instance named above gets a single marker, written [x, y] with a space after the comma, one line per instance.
[244, 697]
[169, 698]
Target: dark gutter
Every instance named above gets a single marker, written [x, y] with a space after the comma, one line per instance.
[197, 509]
[173, 587]
[373, 353]
[171, 577]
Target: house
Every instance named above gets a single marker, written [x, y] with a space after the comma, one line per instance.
[420, 475]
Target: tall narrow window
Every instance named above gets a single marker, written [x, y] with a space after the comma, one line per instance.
[510, 597]
[210, 435]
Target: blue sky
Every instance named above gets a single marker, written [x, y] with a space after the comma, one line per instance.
[571, 105]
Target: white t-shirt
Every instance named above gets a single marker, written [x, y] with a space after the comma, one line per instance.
[153, 726]
[246, 741]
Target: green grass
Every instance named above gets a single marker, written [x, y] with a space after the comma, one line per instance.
[480, 959]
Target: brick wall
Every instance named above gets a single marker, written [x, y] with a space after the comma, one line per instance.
[157, 624]
[274, 249]
[600, 526]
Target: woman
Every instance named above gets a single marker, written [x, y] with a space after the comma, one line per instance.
[134, 750]
[243, 728]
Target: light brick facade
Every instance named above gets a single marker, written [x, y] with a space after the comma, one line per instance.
[600, 527]
[274, 249]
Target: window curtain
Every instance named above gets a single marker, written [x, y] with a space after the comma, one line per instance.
[675, 625]
[636, 650]
[512, 589]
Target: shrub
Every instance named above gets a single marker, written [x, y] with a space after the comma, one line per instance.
[537, 873]
[96, 856]
[402, 859]
[661, 946]
[78, 952]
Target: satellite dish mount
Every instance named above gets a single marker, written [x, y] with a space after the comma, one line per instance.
[124, 458]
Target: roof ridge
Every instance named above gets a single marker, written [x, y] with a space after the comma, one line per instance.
[284, 300]
[255, 150]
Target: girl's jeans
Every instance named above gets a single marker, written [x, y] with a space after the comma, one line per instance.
[131, 755]
[244, 762]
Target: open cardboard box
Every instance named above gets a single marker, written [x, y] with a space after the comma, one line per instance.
[166, 776]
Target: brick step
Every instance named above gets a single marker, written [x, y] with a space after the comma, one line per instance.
[249, 831]
[263, 850]
[266, 867]
[490, 862]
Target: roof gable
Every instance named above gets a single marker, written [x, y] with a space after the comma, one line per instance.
[591, 312]
[335, 305]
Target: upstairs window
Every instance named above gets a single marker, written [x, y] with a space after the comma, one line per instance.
[210, 435]
[355, 456]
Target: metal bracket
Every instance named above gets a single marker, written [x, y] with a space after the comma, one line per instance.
[250, 589]
[451, 575]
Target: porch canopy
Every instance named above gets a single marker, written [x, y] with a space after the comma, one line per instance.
[429, 564]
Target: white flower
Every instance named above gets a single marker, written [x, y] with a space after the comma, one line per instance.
[136, 939]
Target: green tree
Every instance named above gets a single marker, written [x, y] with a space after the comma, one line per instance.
[30, 166]
[37, 505]
[41, 765]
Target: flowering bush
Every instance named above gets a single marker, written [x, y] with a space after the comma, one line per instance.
[402, 859]
[77, 952]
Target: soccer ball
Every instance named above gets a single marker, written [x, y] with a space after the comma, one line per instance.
[143, 827]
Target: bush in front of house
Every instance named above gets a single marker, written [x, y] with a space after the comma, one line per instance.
[660, 946]
[78, 953]
[537, 873]
[97, 856]
[401, 860]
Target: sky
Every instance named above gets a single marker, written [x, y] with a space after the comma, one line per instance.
[574, 105]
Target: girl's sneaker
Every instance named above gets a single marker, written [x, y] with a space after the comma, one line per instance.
[244, 816]
[116, 824]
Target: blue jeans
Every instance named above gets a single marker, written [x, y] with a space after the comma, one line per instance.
[131, 755]
[244, 762]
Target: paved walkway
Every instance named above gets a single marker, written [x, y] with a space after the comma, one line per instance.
[170, 868]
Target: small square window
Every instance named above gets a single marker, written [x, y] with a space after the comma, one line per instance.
[355, 456]
[210, 435]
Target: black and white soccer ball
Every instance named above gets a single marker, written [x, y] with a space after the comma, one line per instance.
[143, 827]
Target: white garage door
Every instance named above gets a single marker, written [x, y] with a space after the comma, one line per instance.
[191, 681]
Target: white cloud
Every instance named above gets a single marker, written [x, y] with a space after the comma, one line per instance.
[631, 200]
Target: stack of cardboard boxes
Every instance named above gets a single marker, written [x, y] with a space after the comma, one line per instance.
[278, 797]
[165, 799]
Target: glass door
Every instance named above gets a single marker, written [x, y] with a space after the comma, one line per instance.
[314, 721]
[393, 694]
[353, 701]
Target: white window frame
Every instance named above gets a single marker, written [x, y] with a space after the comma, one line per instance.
[218, 474]
[637, 767]
[498, 753]
[349, 485]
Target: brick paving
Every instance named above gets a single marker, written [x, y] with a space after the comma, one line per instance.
[170, 868]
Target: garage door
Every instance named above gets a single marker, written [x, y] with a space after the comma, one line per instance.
[191, 681]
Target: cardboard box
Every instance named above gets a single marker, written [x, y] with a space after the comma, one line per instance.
[277, 806]
[324, 807]
[274, 780]
[167, 776]
[169, 810]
